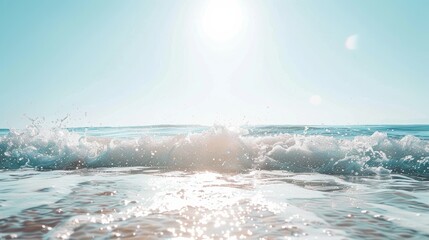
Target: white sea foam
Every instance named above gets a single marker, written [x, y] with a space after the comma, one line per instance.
[218, 149]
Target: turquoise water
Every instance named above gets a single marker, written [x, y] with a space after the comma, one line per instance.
[273, 182]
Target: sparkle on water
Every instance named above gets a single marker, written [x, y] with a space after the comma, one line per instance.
[136, 202]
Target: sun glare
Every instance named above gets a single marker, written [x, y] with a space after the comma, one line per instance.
[352, 42]
[222, 19]
[315, 100]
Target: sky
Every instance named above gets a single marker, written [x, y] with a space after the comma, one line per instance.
[129, 63]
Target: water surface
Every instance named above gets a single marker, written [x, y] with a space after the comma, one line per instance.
[273, 182]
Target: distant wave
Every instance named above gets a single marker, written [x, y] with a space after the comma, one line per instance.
[217, 149]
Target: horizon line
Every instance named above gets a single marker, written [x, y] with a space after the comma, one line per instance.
[227, 125]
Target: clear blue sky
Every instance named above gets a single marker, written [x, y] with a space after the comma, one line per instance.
[116, 63]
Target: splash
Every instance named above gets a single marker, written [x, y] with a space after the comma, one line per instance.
[217, 149]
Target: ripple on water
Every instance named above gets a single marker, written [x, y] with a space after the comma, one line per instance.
[111, 204]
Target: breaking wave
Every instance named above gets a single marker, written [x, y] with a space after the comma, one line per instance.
[217, 149]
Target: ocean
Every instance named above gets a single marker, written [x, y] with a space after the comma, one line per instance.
[199, 182]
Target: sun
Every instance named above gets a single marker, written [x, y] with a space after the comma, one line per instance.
[222, 20]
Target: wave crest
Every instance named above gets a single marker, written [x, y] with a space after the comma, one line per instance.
[218, 149]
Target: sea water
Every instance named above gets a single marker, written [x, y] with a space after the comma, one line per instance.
[197, 182]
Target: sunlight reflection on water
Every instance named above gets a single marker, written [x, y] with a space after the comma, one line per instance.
[132, 203]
